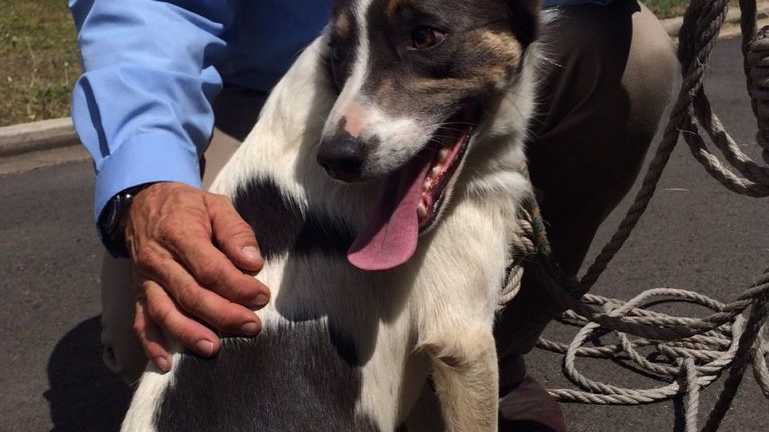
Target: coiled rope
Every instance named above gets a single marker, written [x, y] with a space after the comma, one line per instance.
[695, 351]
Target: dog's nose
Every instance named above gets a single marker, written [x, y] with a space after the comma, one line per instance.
[342, 158]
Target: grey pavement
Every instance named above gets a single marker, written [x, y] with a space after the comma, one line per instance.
[696, 236]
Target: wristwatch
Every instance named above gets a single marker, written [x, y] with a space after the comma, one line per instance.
[111, 221]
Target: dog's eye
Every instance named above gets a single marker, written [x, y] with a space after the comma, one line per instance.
[426, 37]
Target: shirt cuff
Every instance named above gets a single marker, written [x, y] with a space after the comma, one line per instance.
[146, 158]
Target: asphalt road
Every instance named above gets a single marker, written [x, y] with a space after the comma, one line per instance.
[696, 235]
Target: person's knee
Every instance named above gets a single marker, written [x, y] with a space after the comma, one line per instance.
[657, 44]
[652, 66]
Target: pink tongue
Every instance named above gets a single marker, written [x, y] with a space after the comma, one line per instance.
[390, 239]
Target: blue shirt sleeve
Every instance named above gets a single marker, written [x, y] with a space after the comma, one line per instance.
[142, 107]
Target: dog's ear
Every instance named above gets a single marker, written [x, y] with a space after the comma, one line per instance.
[524, 17]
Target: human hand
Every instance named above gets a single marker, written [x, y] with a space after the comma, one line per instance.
[188, 248]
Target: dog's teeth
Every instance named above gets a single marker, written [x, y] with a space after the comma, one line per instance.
[443, 154]
[422, 210]
[428, 183]
[436, 171]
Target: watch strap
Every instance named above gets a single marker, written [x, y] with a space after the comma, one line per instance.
[110, 224]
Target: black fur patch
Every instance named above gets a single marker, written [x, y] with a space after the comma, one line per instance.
[273, 215]
[321, 234]
[343, 42]
[524, 19]
[345, 346]
[280, 225]
[287, 379]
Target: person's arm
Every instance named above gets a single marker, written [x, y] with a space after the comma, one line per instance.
[143, 110]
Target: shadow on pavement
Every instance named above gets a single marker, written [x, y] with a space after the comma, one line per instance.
[83, 394]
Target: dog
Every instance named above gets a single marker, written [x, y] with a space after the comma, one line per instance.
[383, 181]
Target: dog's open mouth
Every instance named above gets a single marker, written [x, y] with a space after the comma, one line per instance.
[442, 169]
[413, 199]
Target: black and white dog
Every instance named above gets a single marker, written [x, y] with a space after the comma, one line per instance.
[383, 182]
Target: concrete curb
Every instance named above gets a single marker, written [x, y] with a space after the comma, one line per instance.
[37, 136]
[56, 133]
[673, 25]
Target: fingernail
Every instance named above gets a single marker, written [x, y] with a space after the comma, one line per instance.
[205, 347]
[261, 300]
[252, 253]
[250, 329]
[162, 363]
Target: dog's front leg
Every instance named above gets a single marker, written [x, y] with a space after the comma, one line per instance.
[464, 363]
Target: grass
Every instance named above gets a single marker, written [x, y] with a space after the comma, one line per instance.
[40, 60]
[667, 8]
[672, 8]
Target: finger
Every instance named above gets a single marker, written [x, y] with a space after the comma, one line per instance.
[151, 340]
[214, 271]
[190, 333]
[206, 305]
[233, 235]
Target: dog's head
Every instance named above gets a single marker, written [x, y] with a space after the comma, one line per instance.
[415, 78]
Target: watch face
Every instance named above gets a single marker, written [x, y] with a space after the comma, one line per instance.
[110, 216]
[109, 226]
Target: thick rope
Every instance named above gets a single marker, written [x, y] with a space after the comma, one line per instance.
[691, 352]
